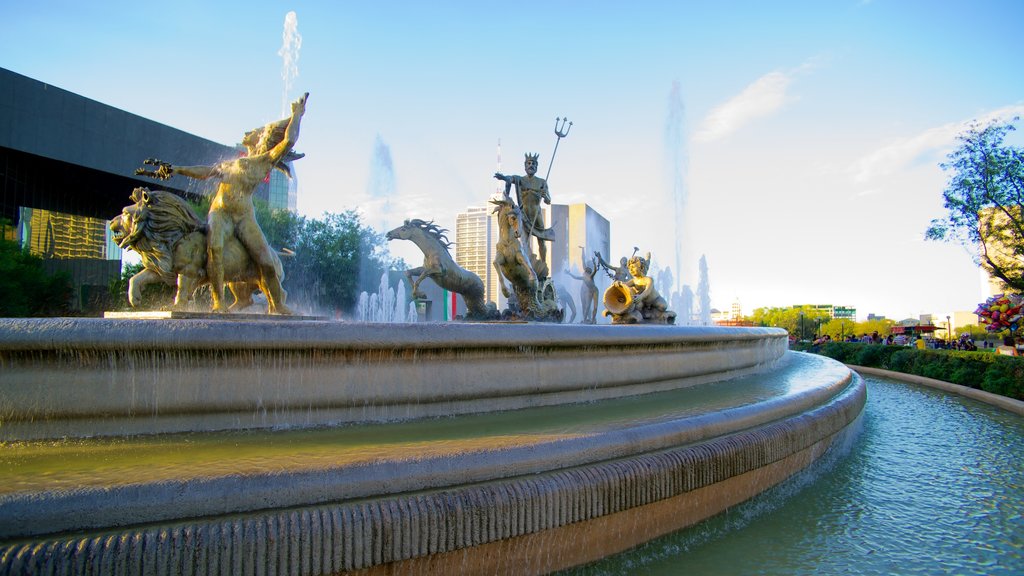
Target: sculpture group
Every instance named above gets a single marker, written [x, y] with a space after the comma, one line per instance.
[180, 249]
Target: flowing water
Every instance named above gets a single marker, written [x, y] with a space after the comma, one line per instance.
[932, 484]
[70, 464]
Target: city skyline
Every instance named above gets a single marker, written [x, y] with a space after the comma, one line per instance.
[805, 138]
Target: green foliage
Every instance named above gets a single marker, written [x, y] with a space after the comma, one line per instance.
[801, 321]
[26, 289]
[804, 322]
[327, 261]
[333, 258]
[1006, 377]
[983, 199]
[981, 370]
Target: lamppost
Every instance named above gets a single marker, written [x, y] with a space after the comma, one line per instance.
[801, 326]
[949, 334]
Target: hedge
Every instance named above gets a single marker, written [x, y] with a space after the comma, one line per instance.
[986, 371]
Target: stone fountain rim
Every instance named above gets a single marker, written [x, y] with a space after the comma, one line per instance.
[118, 334]
[283, 489]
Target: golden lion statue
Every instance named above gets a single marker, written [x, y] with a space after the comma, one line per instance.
[171, 239]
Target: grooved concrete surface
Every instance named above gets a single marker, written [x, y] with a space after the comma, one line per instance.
[513, 496]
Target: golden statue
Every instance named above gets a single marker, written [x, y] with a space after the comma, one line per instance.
[171, 239]
[637, 301]
[232, 213]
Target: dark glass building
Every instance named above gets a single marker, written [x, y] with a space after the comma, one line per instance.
[67, 167]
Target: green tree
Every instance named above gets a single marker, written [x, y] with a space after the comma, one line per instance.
[26, 289]
[983, 198]
[328, 261]
[801, 321]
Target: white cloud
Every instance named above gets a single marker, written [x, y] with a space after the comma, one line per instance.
[763, 97]
[902, 151]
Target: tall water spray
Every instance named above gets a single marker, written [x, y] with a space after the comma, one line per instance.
[675, 174]
[704, 293]
[381, 185]
[289, 53]
[387, 305]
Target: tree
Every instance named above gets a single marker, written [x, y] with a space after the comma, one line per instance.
[26, 289]
[801, 321]
[334, 258]
[983, 198]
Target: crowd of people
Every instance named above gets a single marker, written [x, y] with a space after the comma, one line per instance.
[965, 342]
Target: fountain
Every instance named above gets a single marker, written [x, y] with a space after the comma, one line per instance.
[386, 306]
[218, 445]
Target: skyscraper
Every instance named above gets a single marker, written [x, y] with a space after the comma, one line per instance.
[476, 238]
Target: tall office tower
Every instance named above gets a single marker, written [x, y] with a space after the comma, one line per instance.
[579, 232]
[576, 226]
[476, 239]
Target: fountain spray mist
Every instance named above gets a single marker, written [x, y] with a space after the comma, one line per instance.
[675, 174]
[381, 185]
[704, 293]
[289, 53]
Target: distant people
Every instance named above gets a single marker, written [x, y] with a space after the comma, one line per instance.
[889, 340]
[967, 343]
[1008, 347]
[920, 343]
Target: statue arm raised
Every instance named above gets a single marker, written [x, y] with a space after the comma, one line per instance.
[291, 133]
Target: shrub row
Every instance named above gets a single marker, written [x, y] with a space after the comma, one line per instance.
[981, 370]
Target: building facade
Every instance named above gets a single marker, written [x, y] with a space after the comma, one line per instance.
[67, 166]
[476, 240]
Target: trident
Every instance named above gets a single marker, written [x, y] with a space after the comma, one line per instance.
[560, 134]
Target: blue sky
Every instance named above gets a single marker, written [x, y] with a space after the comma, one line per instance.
[812, 131]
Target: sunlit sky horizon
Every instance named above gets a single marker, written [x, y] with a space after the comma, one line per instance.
[811, 132]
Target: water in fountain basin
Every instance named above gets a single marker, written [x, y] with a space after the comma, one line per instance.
[932, 486]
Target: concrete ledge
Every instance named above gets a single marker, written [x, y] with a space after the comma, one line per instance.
[44, 511]
[122, 377]
[1010, 404]
[479, 528]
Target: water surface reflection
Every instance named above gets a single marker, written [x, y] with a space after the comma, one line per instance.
[933, 484]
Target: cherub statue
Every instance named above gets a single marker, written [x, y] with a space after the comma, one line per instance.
[637, 300]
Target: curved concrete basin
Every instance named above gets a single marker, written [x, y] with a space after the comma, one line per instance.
[676, 424]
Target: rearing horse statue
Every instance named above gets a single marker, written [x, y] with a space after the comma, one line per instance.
[439, 266]
[514, 263]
